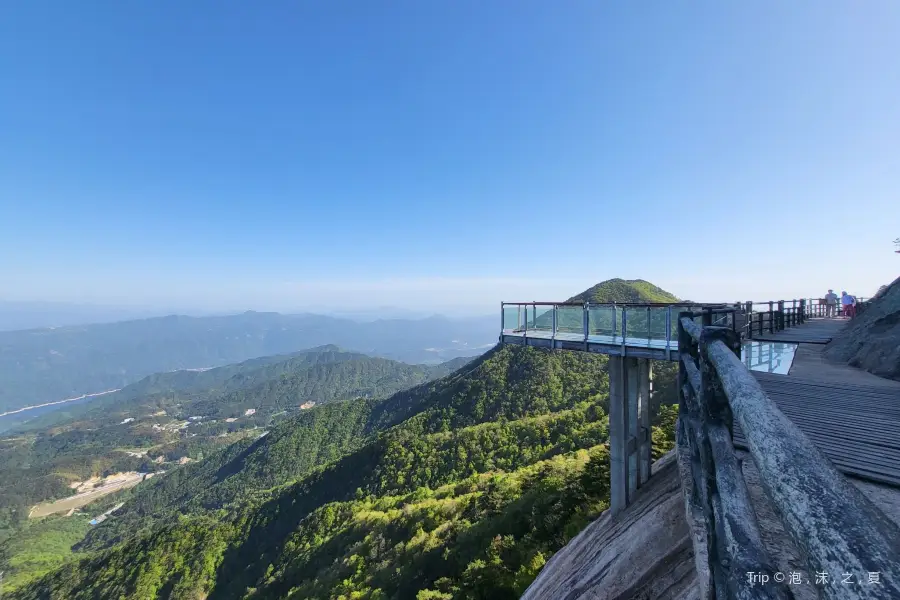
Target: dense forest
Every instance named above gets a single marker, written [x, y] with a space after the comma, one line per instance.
[463, 486]
[623, 290]
[38, 464]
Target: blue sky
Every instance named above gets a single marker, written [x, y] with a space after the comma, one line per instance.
[288, 155]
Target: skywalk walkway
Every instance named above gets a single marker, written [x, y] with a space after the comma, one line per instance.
[852, 416]
[627, 330]
[813, 331]
[806, 431]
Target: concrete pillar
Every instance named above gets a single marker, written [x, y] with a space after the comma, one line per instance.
[629, 428]
[632, 397]
[618, 434]
[645, 379]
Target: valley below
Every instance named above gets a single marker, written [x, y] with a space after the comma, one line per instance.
[98, 489]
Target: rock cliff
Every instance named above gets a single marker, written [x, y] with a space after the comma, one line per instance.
[646, 552]
[872, 340]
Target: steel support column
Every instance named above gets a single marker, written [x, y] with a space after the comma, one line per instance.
[618, 434]
[629, 428]
[645, 456]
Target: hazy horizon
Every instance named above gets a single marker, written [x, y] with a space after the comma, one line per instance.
[514, 291]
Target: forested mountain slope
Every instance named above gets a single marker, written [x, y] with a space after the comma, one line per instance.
[503, 384]
[457, 488]
[623, 290]
[149, 424]
[485, 433]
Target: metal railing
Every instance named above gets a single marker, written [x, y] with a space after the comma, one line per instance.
[777, 315]
[615, 321]
[837, 528]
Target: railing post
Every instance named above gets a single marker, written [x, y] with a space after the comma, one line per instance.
[802, 310]
[748, 309]
[553, 326]
[734, 317]
[781, 315]
[668, 328]
[586, 322]
[525, 328]
[614, 324]
[734, 544]
[686, 444]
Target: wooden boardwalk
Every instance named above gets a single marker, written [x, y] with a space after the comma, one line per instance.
[814, 331]
[852, 416]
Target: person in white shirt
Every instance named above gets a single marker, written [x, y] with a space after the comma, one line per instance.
[847, 304]
[830, 303]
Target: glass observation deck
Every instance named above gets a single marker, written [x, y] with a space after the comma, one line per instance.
[639, 330]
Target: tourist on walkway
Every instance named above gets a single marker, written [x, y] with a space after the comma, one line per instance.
[830, 303]
[847, 304]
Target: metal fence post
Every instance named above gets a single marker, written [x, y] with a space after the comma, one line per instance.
[553, 326]
[668, 328]
[586, 322]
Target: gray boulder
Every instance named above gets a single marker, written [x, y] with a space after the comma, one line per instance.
[872, 340]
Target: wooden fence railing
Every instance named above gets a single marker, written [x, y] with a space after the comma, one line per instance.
[781, 314]
[837, 528]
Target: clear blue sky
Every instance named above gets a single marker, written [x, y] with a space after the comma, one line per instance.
[284, 155]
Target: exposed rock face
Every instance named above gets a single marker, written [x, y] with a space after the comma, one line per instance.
[647, 553]
[872, 340]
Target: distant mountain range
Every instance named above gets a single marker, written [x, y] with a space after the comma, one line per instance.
[49, 364]
[17, 315]
[29, 315]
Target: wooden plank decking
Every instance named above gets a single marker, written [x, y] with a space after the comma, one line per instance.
[852, 416]
[814, 331]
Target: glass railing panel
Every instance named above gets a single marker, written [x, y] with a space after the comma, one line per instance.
[570, 320]
[602, 320]
[637, 322]
[676, 311]
[513, 318]
[540, 318]
[658, 316]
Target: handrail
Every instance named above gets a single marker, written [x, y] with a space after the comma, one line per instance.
[838, 529]
[626, 304]
[654, 324]
[781, 314]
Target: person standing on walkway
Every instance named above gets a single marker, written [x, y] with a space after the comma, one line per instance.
[846, 304]
[830, 303]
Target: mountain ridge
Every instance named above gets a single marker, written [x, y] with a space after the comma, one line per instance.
[45, 365]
